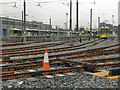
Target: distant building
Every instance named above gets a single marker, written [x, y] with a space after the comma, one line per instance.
[6, 24]
[13, 30]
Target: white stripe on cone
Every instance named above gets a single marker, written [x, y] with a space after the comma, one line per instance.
[46, 57]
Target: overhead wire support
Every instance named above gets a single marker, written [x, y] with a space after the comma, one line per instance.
[39, 3]
[77, 31]
[9, 3]
[98, 23]
[22, 26]
[90, 23]
[70, 23]
[66, 21]
[24, 21]
[90, 20]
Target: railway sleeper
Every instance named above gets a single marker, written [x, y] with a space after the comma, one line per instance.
[36, 74]
[89, 67]
[5, 57]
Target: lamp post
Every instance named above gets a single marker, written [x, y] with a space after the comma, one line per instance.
[66, 21]
[7, 30]
[98, 23]
[70, 23]
[25, 20]
[113, 20]
[77, 32]
[90, 23]
[22, 28]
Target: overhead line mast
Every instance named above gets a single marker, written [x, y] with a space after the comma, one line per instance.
[24, 21]
[77, 31]
[70, 22]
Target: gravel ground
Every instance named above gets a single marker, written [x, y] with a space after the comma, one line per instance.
[79, 80]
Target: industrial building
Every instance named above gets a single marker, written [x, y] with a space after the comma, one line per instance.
[9, 23]
[13, 28]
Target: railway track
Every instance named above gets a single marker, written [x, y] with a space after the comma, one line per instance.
[101, 60]
[94, 54]
[37, 63]
[17, 44]
[9, 70]
[51, 50]
[40, 47]
[68, 55]
[32, 47]
[12, 75]
[10, 44]
[33, 64]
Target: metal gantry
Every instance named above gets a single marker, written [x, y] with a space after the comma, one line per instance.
[70, 23]
[77, 27]
[25, 20]
[90, 23]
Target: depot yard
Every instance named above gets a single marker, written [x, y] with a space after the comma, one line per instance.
[90, 64]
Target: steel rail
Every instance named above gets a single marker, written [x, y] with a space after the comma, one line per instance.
[60, 55]
[32, 47]
[94, 54]
[9, 67]
[49, 50]
[54, 71]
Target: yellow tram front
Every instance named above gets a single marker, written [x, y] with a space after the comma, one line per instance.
[86, 33]
[17, 32]
[104, 32]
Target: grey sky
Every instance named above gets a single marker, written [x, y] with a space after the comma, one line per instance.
[57, 11]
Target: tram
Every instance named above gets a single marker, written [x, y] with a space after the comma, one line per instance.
[104, 32]
[86, 33]
[35, 32]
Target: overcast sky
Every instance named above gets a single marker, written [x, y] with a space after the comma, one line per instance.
[57, 9]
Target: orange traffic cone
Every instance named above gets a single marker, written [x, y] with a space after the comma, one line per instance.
[46, 61]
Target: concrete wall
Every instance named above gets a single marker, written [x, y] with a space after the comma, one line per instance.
[44, 27]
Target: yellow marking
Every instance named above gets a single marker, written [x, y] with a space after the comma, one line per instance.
[86, 34]
[103, 84]
[13, 29]
[100, 74]
[104, 28]
[27, 29]
[52, 50]
[84, 54]
[104, 55]
[113, 77]
[65, 67]
[86, 30]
